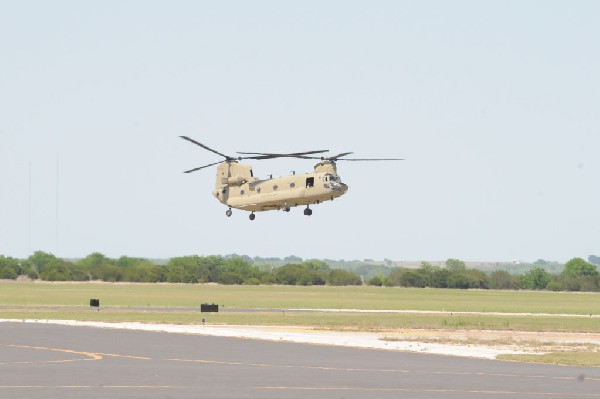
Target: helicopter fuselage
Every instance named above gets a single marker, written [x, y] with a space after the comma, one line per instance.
[237, 187]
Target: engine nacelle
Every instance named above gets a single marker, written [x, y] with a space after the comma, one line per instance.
[234, 180]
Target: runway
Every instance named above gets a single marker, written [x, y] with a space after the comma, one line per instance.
[53, 361]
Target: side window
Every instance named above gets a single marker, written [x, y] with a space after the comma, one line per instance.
[292, 185]
[310, 182]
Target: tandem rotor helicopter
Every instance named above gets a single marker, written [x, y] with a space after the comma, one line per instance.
[237, 187]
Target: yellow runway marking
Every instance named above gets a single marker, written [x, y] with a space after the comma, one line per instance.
[90, 355]
[124, 356]
[286, 366]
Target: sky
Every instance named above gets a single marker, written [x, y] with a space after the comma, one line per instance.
[493, 105]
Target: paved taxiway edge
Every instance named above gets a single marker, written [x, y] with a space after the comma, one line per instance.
[294, 334]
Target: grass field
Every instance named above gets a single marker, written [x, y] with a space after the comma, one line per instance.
[295, 297]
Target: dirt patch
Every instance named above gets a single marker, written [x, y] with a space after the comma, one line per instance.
[532, 342]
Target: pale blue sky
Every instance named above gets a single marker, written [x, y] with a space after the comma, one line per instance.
[494, 104]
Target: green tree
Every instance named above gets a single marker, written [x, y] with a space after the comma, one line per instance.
[555, 285]
[393, 278]
[412, 278]
[109, 272]
[291, 274]
[57, 270]
[100, 267]
[9, 268]
[316, 265]
[127, 262]
[578, 267]
[579, 275]
[95, 259]
[376, 280]
[37, 262]
[503, 280]
[536, 279]
[176, 274]
[343, 277]
[237, 271]
[144, 273]
[468, 279]
[79, 272]
[295, 274]
[192, 269]
[455, 265]
[439, 278]
[230, 278]
[268, 279]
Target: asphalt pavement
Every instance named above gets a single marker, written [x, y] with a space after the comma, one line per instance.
[54, 361]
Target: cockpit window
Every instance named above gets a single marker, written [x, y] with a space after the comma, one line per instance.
[329, 177]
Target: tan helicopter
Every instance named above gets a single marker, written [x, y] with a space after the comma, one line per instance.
[237, 187]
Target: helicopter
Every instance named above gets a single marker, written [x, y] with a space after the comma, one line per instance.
[237, 187]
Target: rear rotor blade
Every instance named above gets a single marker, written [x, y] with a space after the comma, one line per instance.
[338, 157]
[370, 159]
[343, 154]
[333, 158]
[260, 155]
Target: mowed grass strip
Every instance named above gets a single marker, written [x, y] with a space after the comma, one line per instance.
[335, 321]
[584, 359]
[297, 297]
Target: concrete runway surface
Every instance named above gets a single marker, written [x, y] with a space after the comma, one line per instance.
[53, 361]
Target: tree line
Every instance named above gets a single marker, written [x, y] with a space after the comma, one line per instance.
[577, 274]
[186, 269]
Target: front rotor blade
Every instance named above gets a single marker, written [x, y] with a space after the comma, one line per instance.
[205, 147]
[278, 155]
[202, 167]
[270, 156]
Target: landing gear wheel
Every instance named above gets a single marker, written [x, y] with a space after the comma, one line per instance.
[252, 216]
[228, 212]
[308, 211]
[286, 208]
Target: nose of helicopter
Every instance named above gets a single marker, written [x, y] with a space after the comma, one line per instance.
[343, 188]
